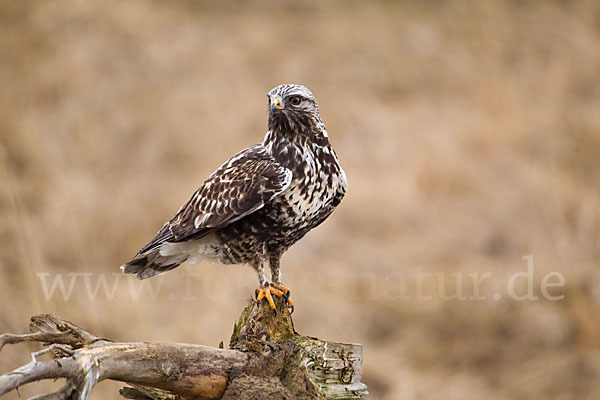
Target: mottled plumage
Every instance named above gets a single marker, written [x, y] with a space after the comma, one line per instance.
[259, 202]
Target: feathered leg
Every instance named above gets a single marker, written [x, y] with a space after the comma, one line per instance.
[259, 266]
[265, 289]
[276, 278]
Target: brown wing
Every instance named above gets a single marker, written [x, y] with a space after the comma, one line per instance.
[239, 187]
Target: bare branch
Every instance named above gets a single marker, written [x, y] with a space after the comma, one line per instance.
[63, 337]
[47, 323]
[47, 328]
[268, 358]
[35, 371]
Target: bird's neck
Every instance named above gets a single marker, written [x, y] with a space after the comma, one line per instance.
[291, 148]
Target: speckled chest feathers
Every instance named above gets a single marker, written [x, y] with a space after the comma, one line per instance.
[317, 186]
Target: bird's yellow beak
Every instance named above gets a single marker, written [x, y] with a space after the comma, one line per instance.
[276, 103]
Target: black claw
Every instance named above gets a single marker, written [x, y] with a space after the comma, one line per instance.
[257, 303]
[287, 295]
[256, 294]
[275, 311]
[291, 309]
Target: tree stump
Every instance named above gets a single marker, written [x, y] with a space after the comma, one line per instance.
[267, 359]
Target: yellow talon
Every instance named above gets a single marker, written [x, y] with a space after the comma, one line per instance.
[286, 293]
[266, 292]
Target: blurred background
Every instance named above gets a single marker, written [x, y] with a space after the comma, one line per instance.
[469, 131]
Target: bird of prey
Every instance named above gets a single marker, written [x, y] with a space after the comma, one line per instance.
[259, 202]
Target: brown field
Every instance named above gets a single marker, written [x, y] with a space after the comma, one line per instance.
[469, 131]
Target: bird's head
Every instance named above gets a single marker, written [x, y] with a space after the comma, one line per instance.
[292, 108]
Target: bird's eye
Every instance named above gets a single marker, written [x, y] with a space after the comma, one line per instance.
[295, 101]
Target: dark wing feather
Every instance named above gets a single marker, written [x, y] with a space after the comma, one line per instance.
[239, 187]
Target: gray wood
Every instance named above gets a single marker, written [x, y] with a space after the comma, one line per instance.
[266, 359]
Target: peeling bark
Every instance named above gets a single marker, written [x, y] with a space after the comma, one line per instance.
[266, 359]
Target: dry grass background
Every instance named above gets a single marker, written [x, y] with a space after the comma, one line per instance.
[470, 133]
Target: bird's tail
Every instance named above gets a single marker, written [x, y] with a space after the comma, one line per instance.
[151, 263]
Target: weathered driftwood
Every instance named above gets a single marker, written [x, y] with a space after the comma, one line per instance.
[266, 359]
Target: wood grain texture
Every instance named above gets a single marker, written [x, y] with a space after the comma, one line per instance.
[267, 359]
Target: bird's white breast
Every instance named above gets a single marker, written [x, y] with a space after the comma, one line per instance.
[312, 191]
